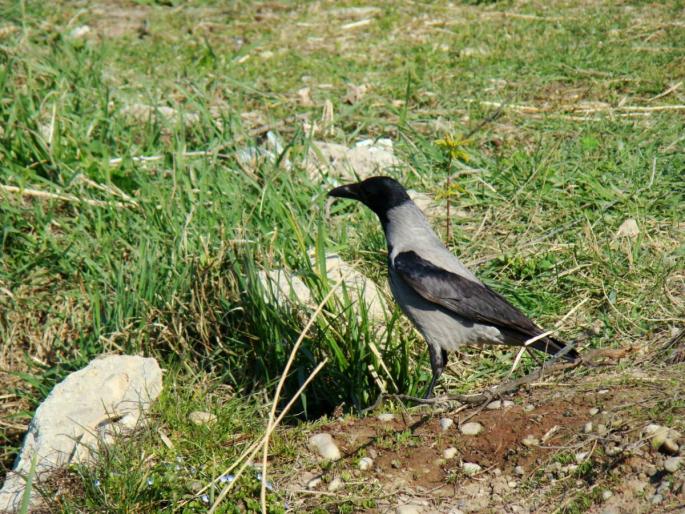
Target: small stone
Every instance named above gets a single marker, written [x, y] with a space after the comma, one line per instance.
[611, 451]
[530, 441]
[601, 429]
[470, 468]
[365, 463]
[314, 483]
[497, 472]
[386, 416]
[603, 391]
[657, 499]
[499, 404]
[672, 464]
[512, 484]
[588, 427]
[198, 417]
[335, 485]
[409, 509]
[606, 494]
[455, 511]
[580, 456]
[528, 407]
[449, 453]
[669, 447]
[628, 228]
[518, 470]
[473, 428]
[324, 445]
[445, 424]
[594, 411]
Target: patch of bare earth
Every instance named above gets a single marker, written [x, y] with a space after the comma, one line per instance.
[572, 445]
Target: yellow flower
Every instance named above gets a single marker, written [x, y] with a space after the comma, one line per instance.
[454, 147]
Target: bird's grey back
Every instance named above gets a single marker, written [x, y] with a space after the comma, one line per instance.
[407, 229]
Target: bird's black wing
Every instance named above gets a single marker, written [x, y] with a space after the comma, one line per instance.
[468, 299]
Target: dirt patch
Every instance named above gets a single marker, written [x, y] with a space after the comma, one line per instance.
[591, 455]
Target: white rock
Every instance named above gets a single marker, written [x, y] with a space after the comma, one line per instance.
[314, 483]
[470, 468]
[201, 418]
[365, 463]
[581, 456]
[472, 428]
[80, 31]
[530, 440]
[672, 464]
[409, 509]
[499, 404]
[518, 470]
[528, 407]
[607, 494]
[335, 484]
[449, 453]
[663, 438]
[282, 286]
[594, 411]
[386, 416]
[106, 397]
[588, 427]
[357, 286]
[323, 443]
[446, 424]
[143, 113]
[628, 228]
[365, 159]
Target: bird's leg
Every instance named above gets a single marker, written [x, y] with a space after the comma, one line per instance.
[438, 358]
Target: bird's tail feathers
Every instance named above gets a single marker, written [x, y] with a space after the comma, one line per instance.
[554, 346]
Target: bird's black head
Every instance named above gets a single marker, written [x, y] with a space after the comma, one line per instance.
[380, 194]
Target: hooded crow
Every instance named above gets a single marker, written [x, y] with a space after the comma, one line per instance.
[442, 298]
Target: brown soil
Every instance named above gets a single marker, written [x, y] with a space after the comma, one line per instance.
[572, 470]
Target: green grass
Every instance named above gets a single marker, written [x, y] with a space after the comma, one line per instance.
[538, 201]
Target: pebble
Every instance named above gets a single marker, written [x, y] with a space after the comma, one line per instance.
[198, 417]
[335, 484]
[323, 443]
[670, 447]
[603, 391]
[409, 509]
[588, 427]
[657, 498]
[672, 464]
[449, 453]
[580, 456]
[613, 450]
[386, 416]
[314, 483]
[472, 428]
[530, 440]
[470, 468]
[606, 495]
[518, 470]
[594, 411]
[365, 463]
[499, 404]
[528, 407]
[445, 424]
[601, 429]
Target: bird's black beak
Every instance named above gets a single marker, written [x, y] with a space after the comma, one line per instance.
[350, 191]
